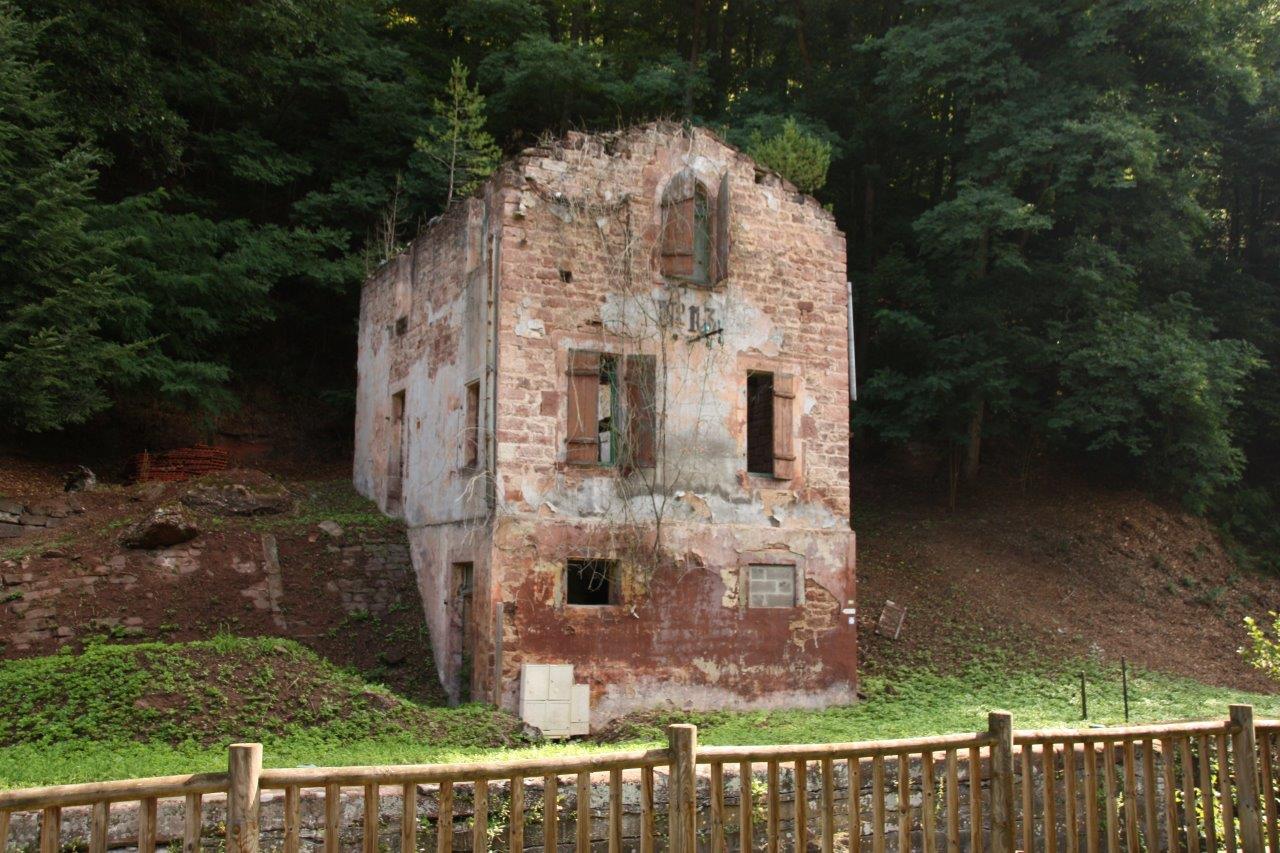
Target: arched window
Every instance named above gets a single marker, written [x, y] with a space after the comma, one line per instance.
[686, 231]
[695, 235]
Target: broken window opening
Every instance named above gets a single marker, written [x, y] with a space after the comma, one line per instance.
[395, 450]
[591, 582]
[593, 405]
[471, 438]
[612, 418]
[460, 624]
[760, 423]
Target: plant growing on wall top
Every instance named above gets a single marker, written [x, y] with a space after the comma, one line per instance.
[456, 154]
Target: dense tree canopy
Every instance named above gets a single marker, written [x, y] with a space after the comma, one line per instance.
[1062, 220]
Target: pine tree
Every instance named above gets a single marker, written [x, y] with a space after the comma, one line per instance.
[60, 289]
[459, 152]
[800, 157]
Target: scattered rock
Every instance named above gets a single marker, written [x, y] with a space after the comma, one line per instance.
[379, 700]
[59, 507]
[79, 479]
[147, 492]
[164, 527]
[54, 554]
[239, 492]
[331, 528]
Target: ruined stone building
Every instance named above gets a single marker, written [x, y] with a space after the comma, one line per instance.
[609, 397]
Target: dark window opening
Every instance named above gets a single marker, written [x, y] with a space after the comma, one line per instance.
[402, 326]
[471, 444]
[460, 625]
[760, 423]
[591, 582]
[566, 276]
[395, 449]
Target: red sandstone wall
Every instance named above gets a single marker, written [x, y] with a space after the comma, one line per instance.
[682, 635]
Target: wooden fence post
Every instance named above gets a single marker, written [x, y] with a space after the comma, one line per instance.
[682, 743]
[244, 765]
[1246, 760]
[1000, 727]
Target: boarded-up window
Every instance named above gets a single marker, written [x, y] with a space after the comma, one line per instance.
[471, 434]
[688, 253]
[760, 423]
[771, 586]
[591, 582]
[639, 395]
[592, 398]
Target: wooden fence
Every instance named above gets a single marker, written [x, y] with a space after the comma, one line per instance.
[1200, 786]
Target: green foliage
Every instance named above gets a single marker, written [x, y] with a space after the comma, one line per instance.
[1046, 210]
[1157, 388]
[800, 157]
[910, 700]
[213, 175]
[1025, 186]
[61, 294]
[1263, 649]
[171, 703]
[457, 151]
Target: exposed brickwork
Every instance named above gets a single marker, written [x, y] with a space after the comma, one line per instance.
[560, 254]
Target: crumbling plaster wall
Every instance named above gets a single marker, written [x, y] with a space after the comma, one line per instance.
[591, 208]
[681, 635]
[440, 285]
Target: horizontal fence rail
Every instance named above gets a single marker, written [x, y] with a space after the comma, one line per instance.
[1199, 786]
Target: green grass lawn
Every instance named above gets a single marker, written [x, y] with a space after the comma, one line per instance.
[156, 709]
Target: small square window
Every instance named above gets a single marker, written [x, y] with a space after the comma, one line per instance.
[402, 326]
[591, 582]
[771, 586]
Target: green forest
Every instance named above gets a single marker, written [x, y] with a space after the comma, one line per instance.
[1063, 218]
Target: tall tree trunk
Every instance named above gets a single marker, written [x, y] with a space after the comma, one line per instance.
[802, 46]
[695, 38]
[973, 452]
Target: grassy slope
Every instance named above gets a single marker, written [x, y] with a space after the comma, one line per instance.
[156, 708]
[121, 711]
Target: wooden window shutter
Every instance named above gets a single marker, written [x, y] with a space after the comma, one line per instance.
[677, 237]
[784, 406]
[721, 232]
[582, 438]
[639, 387]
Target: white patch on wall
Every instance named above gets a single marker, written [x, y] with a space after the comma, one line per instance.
[530, 327]
[551, 702]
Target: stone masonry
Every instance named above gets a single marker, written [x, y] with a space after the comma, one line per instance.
[627, 357]
[17, 518]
